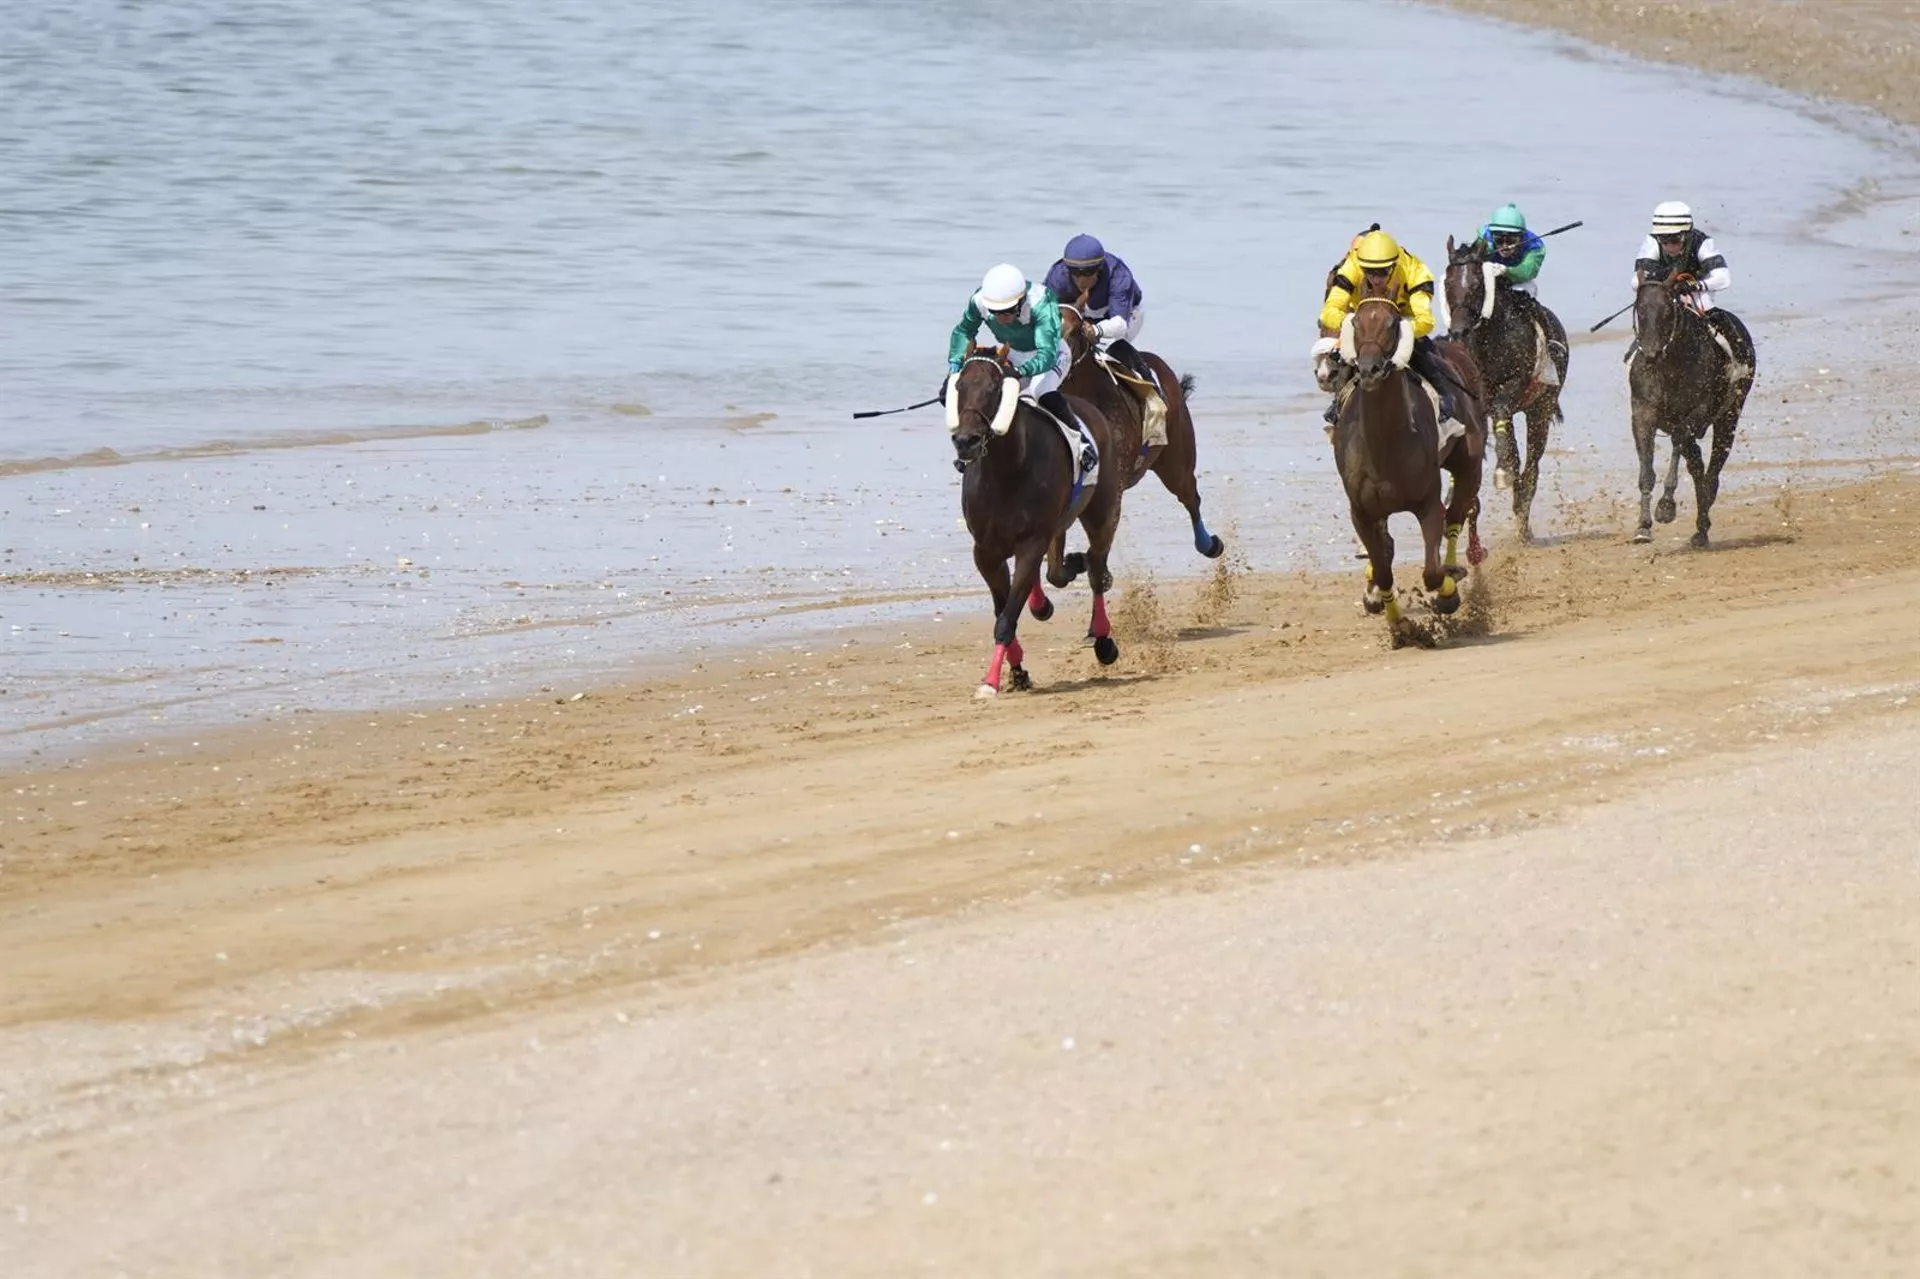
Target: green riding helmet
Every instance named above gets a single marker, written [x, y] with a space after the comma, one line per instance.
[1507, 218]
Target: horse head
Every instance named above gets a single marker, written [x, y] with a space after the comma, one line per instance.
[981, 401]
[1076, 330]
[1657, 307]
[1374, 338]
[1469, 293]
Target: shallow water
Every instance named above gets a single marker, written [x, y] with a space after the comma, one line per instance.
[566, 307]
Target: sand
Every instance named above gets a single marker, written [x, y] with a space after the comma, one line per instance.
[1579, 944]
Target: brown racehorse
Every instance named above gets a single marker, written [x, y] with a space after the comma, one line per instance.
[1019, 492]
[1494, 322]
[1386, 444]
[1683, 383]
[1174, 461]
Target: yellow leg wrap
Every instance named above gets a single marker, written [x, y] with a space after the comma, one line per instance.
[1453, 545]
[1502, 426]
[1369, 571]
[1393, 609]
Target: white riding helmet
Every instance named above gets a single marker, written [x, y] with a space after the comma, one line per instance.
[1672, 218]
[1003, 288]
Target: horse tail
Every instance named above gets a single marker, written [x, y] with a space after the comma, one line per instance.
[1186, 385]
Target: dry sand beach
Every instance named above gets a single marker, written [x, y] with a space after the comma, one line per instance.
[1583, 944]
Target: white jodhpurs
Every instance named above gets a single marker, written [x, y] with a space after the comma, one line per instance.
[1049, 380]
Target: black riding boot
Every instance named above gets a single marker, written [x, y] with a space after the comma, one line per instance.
[1427, 363]
[1056, 403]
[1124, 351]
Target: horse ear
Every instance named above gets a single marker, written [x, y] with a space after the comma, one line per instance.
[1449, 246]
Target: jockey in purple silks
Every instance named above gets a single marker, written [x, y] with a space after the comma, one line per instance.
[1113, 296]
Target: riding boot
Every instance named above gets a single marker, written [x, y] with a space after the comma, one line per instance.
[1125, 352]
[1056, 403]
[1427, 363]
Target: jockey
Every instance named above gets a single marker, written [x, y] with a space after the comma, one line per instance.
[1025, 318]
[1675, 246]
[1379, 256]
[1112, 296]
[1516, 253]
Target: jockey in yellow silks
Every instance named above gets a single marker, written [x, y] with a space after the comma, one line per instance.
[1377, 255]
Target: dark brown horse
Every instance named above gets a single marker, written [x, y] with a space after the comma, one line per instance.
[1174, 461]
[1386, 442]
[1523, 367]
[1019, 492]
[1685, 384]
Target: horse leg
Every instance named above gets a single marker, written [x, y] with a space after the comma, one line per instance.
[1539, 425]
[1062, 568]
[1037, 602]
[1461, 511]
[1175, 466]
[1009, 596]
[1697, 471]
[1378, 542]
[1506, 453]
[1100, 521]
[1666, 508]
[1708, 491]
[1643, 445]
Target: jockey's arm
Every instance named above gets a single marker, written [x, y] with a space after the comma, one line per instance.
[963, 332]
[1419, 294]
[1119, 303]
[1339, 296]
[1046, 338]
[1528, 267]
[1714, 275]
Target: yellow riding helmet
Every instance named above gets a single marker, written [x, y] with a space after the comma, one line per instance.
[1378, 251]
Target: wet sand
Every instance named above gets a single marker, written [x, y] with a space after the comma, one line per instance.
[1580, 944]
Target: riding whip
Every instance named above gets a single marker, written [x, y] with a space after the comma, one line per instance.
[907, 409]
[1611, 318]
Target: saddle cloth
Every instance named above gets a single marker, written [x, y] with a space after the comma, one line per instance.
[1153, 400]
[1086, 458]
[1544, 372]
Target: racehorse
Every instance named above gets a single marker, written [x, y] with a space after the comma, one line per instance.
[1523, 366]
[1387, 445]
[1685, 383]
[1021, 489]
[1100, 380]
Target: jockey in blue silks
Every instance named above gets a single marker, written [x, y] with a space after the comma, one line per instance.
[1103, 290]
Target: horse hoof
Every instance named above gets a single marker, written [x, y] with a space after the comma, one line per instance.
[1698, 542]
[1448, 603]
[1043, 612]
[1664, 510]
[1022, 682]
[1524, 530]
[1643, 534]
[1375, 604]
[1215, 549]
[1106, 650]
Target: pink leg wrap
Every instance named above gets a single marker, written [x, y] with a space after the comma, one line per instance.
[1101, 627]
[1016, 654]
[993, 669]
[1037, 598]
